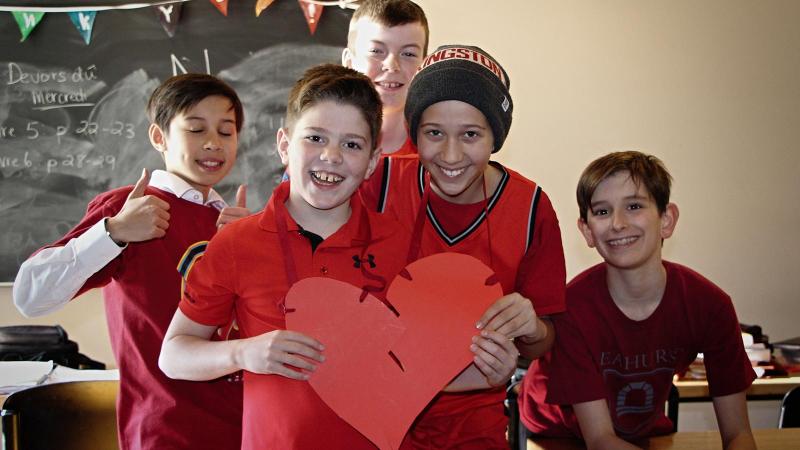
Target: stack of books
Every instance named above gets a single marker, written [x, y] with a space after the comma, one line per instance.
[758, 351]
[787, 353]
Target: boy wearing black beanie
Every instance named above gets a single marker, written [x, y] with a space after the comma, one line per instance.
[459, 112]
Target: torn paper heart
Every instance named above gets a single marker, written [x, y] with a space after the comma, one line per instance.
[384, 364]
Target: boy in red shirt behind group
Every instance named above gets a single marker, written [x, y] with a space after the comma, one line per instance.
[386, 41]
[634, 321]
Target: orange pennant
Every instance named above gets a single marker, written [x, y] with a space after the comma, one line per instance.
[312, 11]
[261, 5]
[222, 6]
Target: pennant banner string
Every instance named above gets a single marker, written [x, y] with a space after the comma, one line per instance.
[340, 3]
[86, 8]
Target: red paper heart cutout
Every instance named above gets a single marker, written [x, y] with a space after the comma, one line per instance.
[381, 369]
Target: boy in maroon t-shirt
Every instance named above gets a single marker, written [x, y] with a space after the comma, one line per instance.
[634, 321]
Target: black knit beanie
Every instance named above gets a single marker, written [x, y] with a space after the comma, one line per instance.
[467, 74]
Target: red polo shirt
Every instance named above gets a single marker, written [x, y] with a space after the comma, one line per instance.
[243, 272]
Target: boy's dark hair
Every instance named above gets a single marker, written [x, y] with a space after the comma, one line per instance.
[390, 13]
[332, 82]
[181, 92]
[643, 169]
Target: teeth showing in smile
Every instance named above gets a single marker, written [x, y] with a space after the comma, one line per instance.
[326, 178]
[210, 164]
[452, 173]
[389, 84]
[622, 241]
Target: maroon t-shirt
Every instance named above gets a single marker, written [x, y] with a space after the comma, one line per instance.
[602, 354]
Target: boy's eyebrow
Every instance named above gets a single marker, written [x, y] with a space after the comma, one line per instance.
[204, 119]
[636, 196]
[413, 44]
[325, 130]
[465, 125]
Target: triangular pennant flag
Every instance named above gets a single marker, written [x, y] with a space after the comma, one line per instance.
[27, 21]
[84, 21]
[312, 11]
[222, 6]
[261, 5]
[169, 14]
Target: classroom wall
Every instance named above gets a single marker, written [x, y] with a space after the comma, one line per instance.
[712, 87]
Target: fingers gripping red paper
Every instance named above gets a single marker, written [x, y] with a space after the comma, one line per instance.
[384, 364]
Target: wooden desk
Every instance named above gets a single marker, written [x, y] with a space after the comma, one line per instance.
[761, 389]
[766, 439]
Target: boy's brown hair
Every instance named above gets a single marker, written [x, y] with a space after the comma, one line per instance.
[181, 92]
[332, 82]
[389, 13]
[643, 169]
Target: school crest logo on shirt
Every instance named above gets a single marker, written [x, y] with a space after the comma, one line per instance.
[637, 398]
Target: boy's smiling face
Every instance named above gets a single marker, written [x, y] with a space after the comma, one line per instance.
[455, 142]
[200, 145]
[389, 56]
[328, 152]
[625, 225]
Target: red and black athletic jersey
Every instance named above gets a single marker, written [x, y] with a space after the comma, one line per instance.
[515, 232]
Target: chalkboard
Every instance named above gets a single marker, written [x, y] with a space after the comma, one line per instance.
[54, 158]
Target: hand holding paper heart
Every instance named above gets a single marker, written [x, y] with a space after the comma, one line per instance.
[512, 315]
[495, 356]
[279, 352]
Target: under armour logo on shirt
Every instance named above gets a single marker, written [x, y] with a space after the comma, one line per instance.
[370, 259]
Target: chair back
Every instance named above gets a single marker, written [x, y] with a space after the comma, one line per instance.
[790, 409]
[672, 407]
[66, 416]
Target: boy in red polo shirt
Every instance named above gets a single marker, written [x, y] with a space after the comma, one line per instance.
[459, 112]
[130, 242]
[387, 41]
[634, 321]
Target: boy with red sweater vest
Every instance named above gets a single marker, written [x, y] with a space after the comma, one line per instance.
[634, 321]
[459, 112]
[130, 243]
[386, 42]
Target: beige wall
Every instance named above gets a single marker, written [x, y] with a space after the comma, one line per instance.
[711, 87]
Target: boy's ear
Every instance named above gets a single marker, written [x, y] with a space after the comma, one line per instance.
[283, 145]
[586, 232]
[373, 162]
[347, 58]
[668, 220]
[158, 138]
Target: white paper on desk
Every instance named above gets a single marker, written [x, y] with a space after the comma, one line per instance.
[62, 374]
[16, 375]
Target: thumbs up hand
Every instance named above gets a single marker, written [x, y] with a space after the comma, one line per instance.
[142, 217]
[229, 214]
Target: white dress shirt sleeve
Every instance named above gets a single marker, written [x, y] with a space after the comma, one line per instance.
[48, 280]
